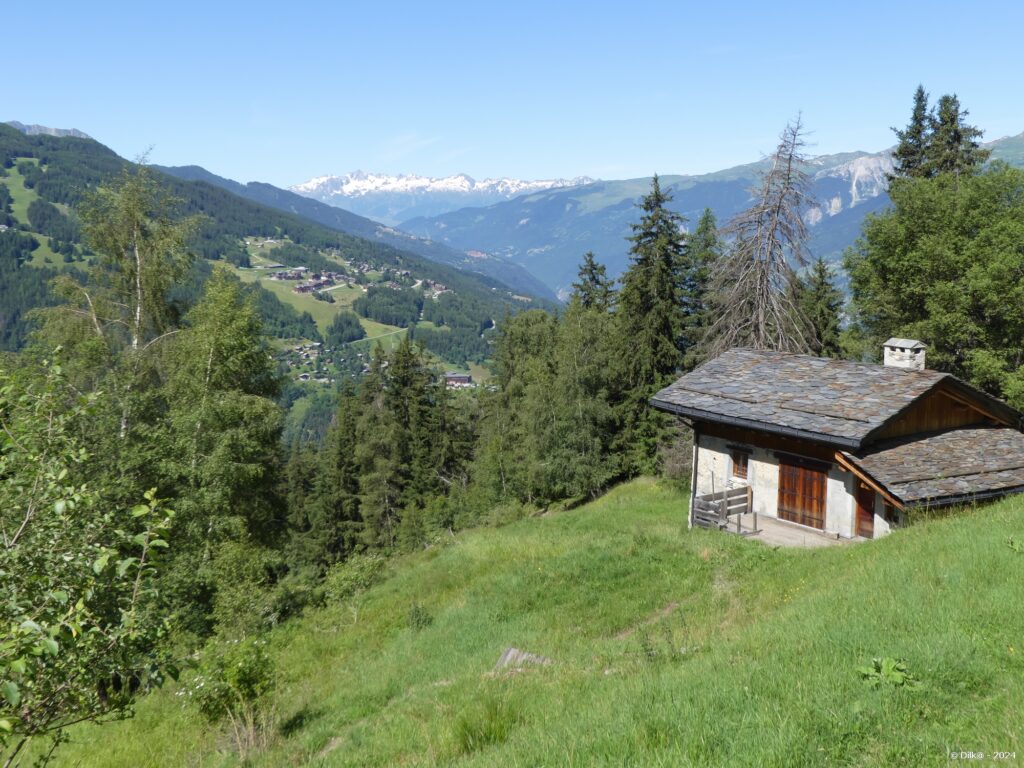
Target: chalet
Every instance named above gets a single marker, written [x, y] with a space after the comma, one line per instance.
[455, 380]
[845, 448]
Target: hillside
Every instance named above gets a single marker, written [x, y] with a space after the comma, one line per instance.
[548, 232]
[670, 647]
[503, 270]
[45, 178]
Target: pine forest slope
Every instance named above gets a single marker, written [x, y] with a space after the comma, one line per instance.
[548, 232]
[671, 647]
[507, 272]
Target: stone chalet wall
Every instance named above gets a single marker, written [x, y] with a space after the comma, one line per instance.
[714, 472]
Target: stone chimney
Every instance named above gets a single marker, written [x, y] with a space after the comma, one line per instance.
[905, 353]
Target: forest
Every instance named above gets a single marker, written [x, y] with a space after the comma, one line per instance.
[154, 521]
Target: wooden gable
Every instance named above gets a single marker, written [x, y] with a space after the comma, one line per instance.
[939, 409]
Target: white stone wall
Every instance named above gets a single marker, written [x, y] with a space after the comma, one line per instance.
[882, 526]
[841, 503]
[714, 472]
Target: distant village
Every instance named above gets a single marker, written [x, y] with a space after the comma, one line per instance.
[312, 362]
[309, 361]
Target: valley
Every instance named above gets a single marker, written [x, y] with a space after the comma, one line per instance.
[689, 470]
[548, 230]
[251, 242]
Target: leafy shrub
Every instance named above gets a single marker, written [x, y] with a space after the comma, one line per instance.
[356, 574]
[292, 595]
[77, 576]
[233, 685]
[243, 575]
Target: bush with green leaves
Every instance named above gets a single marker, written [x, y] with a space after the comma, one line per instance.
[356, 574]
[79, 624]
[234, 685]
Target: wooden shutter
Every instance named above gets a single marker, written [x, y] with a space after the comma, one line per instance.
[802, 492]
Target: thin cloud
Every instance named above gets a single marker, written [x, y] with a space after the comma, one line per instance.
[405, 144]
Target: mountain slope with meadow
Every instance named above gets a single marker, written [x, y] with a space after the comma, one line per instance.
[47, 177]
[503, 270]
[668, 647]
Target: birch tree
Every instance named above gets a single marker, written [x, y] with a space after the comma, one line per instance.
[121, 312]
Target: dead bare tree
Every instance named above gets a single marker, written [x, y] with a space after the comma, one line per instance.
[753, 286]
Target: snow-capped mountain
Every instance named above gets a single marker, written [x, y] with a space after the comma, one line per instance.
[391, 199]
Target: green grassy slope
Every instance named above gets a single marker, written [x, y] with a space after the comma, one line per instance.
[672, 648]
[21, 198]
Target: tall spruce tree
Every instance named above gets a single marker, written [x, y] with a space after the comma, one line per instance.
[399, 452]
[706, 248]
[953, 144]
[221, 440]
[510, 449]
[594, 290]
[909, 157]
[580, 459]
[651, 315]
[326, 525]
[821, 302]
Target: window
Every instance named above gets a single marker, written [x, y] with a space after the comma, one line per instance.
[740, 459]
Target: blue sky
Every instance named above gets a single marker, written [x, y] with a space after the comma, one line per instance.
[284, 91]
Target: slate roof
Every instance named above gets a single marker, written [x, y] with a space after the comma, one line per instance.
[832, 401]
[945, 467]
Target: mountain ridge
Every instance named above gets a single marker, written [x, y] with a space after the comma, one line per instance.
[43, 130]
[548, 232]
[507, 272]
[390, 198]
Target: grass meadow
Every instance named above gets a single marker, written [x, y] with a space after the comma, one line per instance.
[671, 647]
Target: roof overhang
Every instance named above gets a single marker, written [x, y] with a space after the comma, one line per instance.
[697, 414]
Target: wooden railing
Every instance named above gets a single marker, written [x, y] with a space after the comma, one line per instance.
[713, 510]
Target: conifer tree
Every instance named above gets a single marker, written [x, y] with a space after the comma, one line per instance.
[328, 526]
[821, 303]
[579, 456]
[514, 418]
[651, 316]
[594, 289]
[221, 437]
[705, 247]
[398, 452]
[383, 475]
[754, 284]
[909, 157]
[953, 144]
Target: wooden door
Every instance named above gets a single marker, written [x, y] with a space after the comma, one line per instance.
[802, 492]
[865, 511]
